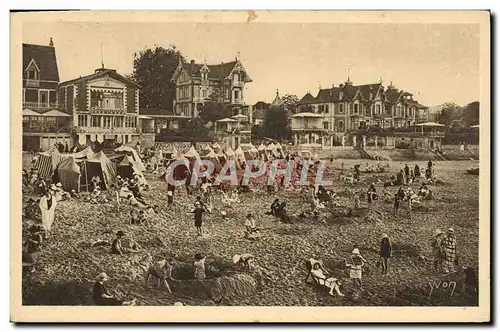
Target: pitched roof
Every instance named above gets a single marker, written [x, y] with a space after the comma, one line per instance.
[392, 95]
[306, 99]
[45, 59]
[220, 71]
[100, 73]
[367, 88]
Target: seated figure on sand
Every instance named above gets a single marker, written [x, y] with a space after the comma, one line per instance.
[320, 276]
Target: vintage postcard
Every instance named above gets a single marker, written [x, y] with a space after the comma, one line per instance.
[250, 166]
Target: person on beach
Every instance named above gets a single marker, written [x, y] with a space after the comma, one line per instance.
[48, 205]
[158, 274]
[199, 267]
[198, 217]
[101, 295]
[372, 194]
[356, 266]
[437, 250]
[116, 246]
[385, 252]
[331, 283]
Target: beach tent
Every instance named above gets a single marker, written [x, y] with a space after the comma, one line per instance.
[69, 174]
[221, 157]
[100, 165]
[132, 152]
[240, 155]
[270, 147]
[230, 153]
[251, 153]
[217, 148]
[212, 157]
[192, 153]
[84, 154]
[127, 167]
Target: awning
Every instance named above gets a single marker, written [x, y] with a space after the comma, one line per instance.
[430, 124]
[28, 112]
[307, 115]
[56, 113]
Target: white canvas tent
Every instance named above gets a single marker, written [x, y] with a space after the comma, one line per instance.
[240, 155]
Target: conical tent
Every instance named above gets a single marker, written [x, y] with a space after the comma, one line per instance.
[217, 147]
[271, 147]
[221, 157]
[127, 167]
[132, 152]
[100, 165]
[278, 146]
[69, 174]
[192, 153]
[261, 147]
[240, 155]
[229, 152]
[212, 157]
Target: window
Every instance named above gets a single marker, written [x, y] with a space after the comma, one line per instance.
[204, 93]
[32, 74]
[340, 125]
[118, 122]
[82, 120]
[326, 108]
[95, 121]
[341, 108]
[321, 109]
[326, 125]
[377, 109]
[356, 108]
[236, 78]
[236, 94]
[107, 122]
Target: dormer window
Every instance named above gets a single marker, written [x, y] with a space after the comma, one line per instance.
[204, 76]
[32, 74]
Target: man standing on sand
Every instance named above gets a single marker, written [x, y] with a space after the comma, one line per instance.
[407, 173]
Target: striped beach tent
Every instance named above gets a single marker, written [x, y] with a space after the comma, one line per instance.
[45, 165]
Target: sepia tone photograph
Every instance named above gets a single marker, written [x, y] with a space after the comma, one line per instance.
[250, 166]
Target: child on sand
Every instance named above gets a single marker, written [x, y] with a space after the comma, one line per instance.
[356, 266]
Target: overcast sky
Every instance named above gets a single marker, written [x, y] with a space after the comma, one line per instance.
[438, 63]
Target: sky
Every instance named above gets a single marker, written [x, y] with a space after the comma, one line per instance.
[436, 62]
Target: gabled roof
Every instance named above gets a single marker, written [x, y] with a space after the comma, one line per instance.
[215, 72]
[45, 59]
[367, 88]
[101, 73]
[306, 99]
[392, 95]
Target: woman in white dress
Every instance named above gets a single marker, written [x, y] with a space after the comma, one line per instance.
[48, 205]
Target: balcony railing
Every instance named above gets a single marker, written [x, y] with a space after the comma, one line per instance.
[102, 110]
[147, 130]
[99, 130]
[42, 106]
[437, 134]
[45, 129]
[32, 83]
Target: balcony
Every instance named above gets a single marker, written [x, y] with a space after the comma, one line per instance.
[42, 106]
[309, 128]
[32, 83]
[99, 130]
[147, 130]
[107, 111]
[419, 134]
[31, 128]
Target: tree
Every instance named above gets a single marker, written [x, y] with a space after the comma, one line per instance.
[276, 124]
[194, 128]
[153, 71]
[450, 114]
[215, 109]
[471, 114]
[290, 102]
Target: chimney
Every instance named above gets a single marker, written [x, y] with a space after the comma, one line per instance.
[51, 43]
